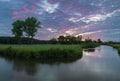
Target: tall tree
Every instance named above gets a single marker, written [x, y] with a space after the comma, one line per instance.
[31, 26]
[17, 29]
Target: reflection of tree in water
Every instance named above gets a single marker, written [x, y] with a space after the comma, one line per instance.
[99, 49]
[90, 50]
[28, 66]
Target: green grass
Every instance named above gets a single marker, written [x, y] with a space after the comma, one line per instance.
[90, 45]
[41, 51]
[117, 46]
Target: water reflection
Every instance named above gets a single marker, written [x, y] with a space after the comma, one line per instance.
[89, 50]
[28, 67]
[101, 65]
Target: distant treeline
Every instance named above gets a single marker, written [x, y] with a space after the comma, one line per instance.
[59, 40]
[13, 40]
[72, 40]
[26, 40]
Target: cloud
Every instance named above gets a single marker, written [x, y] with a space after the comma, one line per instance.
[94, 17]
[100, 31]
[25, 10]
[47, 7]
[51, 30]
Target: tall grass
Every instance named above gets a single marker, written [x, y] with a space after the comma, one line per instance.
[90, 45]
[117, 46]
[41, 51]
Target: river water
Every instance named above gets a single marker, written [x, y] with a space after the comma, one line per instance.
[103, 64]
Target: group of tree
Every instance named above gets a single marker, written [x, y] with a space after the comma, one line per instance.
[23, 40]
[25, 28]
[67, 39]
[72, 40]
[88, 40]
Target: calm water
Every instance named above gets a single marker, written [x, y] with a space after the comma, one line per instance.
[101, 65]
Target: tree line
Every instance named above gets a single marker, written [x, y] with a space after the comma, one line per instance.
[72, 40]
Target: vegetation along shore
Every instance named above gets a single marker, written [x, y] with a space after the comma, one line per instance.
[117, 46]
[42, 51]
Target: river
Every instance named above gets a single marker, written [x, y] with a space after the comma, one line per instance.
[103, 64]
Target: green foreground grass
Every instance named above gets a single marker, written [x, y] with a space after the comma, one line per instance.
[44, 51]
[41, 51]
[117, 46]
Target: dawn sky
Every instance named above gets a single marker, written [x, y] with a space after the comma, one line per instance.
[90, 18]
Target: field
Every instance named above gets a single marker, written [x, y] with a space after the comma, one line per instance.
[46, 51]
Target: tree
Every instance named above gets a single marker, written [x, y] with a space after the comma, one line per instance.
[31, 26]
[99, 41]
[61, 39]
[17, 29]
[68, 39]
[79, 38]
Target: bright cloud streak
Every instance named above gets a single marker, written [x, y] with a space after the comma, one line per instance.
[94, 17]
[98, 31]
[51, 30]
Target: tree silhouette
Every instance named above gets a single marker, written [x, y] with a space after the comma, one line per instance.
[31, 26]
[17, 29]
[61, 39]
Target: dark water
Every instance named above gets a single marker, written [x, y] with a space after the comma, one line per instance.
[103, 64]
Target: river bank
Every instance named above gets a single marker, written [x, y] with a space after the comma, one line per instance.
[41, 51]
[117, 46]
[44, 51]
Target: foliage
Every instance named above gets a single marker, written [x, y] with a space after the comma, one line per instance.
[69, 39]
[31, 26]
[18, 28]
[90, 45]
[23, 40]
[116, 46]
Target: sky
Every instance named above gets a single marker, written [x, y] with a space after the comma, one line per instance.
[90, 18]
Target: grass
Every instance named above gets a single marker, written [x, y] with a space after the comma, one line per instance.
[90, 45]
[44, 51]
[41, 51]
[117, 46]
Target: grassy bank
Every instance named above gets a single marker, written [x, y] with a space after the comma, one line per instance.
[117, 46]
[41, 51]
[90, 45]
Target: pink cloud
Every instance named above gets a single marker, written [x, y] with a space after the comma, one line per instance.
[25, 10]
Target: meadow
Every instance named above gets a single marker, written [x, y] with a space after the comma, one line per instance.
[43, 51]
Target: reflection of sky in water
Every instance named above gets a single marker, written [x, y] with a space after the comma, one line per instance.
[101, 65]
